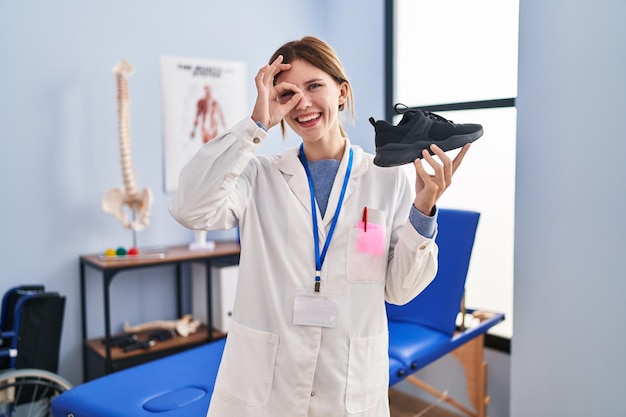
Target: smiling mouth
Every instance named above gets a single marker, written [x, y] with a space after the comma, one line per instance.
[308, 118]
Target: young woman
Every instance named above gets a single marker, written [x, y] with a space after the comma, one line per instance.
[326, 238]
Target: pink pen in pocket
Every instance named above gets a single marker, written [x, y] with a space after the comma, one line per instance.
[371, 236]
[365, 219]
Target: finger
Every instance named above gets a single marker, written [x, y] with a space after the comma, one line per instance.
[293, 101]
[266, 74]
[443, 157]
[436, 150]
[277, 67]
[459, 158]
[284, 92]
[426, 191]
[260, 75]
[284, 86]
[439, 177]
[270, 70]
[277, 61]
[445, 163]
[421, 174]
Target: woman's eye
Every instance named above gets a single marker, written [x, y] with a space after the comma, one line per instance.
[284, 97]
[314, 86]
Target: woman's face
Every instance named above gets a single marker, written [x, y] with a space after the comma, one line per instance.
[315, 117]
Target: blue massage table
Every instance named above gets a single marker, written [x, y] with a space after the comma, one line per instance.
[179, 385]
[420, 332]
[425, 329]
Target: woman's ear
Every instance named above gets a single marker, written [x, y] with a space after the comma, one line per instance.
[343, 94]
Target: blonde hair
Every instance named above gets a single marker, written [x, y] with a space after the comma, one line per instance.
[321, 55]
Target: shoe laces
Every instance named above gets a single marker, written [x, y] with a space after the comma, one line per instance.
[401, 108]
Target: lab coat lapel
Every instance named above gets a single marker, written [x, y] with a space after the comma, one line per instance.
[359, 166]
[290, 165]
[295, 175]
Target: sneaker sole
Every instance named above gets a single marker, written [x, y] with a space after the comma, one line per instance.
[395, 154]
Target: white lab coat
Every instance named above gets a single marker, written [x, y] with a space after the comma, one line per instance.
[271, 367]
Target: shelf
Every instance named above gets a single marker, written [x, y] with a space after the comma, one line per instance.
[97, 359]
[175, 343]
[174, 254]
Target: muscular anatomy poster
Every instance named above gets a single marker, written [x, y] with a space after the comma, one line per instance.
[201, 98]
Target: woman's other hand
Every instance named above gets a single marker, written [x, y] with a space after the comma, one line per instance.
[430, 187]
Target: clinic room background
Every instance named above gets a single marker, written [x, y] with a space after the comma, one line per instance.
[58, 127]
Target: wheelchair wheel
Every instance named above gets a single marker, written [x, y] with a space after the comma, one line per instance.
[29, 392]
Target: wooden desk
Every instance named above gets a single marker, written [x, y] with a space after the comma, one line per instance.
[224, 253]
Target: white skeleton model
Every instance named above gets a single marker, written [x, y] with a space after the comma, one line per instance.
[116, 198]
[184, 326]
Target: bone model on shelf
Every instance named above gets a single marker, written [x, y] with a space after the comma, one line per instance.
[184, 326]
[117, 198]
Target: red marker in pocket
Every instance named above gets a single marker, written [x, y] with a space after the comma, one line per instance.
[365, 219]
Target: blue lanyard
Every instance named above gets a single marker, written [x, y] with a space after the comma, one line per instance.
[319, 260]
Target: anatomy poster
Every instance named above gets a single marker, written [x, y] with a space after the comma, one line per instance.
[201, 98]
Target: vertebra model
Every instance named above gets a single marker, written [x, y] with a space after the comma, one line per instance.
[115, 199]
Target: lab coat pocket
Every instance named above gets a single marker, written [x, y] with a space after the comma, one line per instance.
[368, 373]
[247, 368]
[367, 248]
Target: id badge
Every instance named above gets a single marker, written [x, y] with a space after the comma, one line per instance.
[315, 309]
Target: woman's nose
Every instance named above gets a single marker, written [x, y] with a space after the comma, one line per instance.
[304, 102]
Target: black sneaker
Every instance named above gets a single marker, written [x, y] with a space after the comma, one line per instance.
[418, 129]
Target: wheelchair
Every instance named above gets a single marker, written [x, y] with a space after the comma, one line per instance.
[31, 321]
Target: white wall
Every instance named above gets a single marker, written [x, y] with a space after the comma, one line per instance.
[58, 127]
[567, 359]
